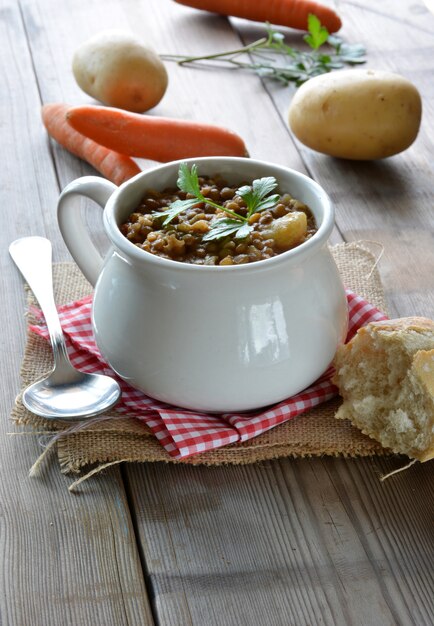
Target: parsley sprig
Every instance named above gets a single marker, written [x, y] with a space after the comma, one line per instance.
[188, 181]
[271, 57]
[256, 196]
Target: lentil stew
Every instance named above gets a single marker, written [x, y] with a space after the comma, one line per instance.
[283, 226]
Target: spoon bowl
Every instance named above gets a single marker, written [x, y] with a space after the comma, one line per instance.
[88, 396]
[66, 393]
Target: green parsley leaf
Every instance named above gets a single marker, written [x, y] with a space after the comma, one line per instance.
[254, 195]
[188, 180]
[175, 209]
[268, 203]
[318, 34]
[243, 231]
[226, 226]
[263, 186]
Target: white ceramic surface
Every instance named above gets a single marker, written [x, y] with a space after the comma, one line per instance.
[210, 338]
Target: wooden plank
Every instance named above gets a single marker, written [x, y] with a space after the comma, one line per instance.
[65, 559]
[289, 542]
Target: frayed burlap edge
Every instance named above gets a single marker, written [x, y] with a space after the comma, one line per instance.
[315, 433]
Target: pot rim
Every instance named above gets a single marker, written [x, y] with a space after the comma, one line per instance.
[297, 253]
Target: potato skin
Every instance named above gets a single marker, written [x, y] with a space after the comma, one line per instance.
[356, 114]
[118, 70]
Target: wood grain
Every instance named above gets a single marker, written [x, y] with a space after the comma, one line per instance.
[318, 541]
[287, 542]
[64, 559]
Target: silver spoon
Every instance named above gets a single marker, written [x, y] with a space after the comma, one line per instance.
[66, 393]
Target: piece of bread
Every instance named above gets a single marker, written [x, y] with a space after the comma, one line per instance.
[385, 375]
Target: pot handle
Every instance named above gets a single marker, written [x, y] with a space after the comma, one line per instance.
[72, 226]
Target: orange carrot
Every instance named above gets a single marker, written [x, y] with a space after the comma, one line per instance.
[292, 13]
[157, 138]
[116, 167]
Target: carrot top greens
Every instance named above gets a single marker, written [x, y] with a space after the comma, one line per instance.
[256, 197]
[271, 57]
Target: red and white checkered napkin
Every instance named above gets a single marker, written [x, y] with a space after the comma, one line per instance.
[184, 432]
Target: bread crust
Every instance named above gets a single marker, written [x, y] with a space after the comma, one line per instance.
[415, 338]
[401, 324]
[423, 367]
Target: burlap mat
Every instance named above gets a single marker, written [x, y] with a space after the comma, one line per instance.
[313, 433]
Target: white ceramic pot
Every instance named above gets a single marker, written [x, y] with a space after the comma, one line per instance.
[210, 338]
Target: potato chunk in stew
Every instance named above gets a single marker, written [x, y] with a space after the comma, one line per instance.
[287, 231]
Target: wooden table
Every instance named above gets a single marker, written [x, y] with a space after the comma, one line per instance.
[305, 541]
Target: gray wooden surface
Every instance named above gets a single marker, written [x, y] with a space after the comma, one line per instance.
[290, 542]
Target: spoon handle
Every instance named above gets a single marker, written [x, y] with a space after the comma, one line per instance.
[32, 256]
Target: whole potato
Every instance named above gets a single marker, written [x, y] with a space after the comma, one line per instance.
[356, 114]
[117, 69]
